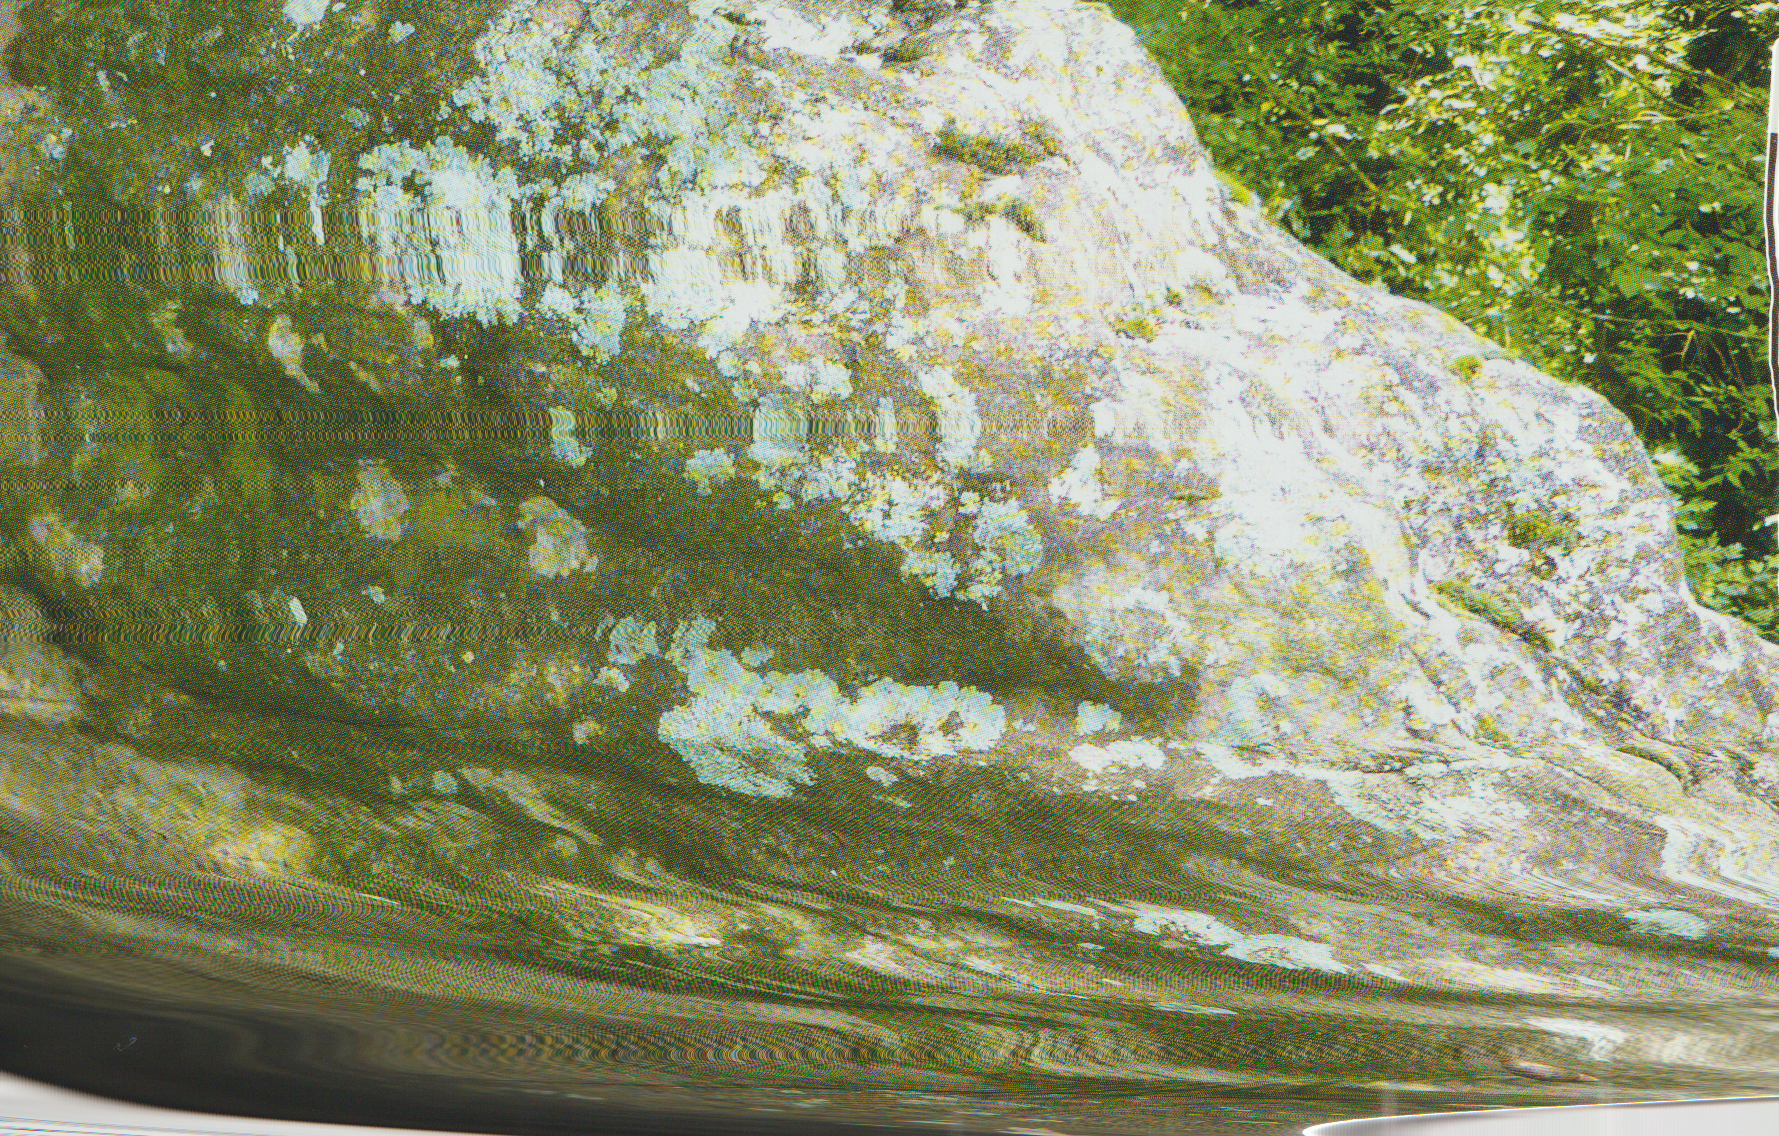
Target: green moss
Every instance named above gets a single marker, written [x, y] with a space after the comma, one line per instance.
[1593, 687]
[975, 212]
[1540, 532]
[1138, 325]
[1355, 563]
[905, 52]
[1672, 762]
[134, 431]
[1494, 735]
[128, 443]
[1535, 635]
[1747, 763]
[786, 171]
[1474, 601]
[1020, 213]
[246, 468]
[448, 519]
[195, 91]
[1466, 365]
[1043, 137]
[171, 493]
[15, 549]
[1015, 209]
[1337, 633]
[1478, 603]
[995, 155]
[1234, 190]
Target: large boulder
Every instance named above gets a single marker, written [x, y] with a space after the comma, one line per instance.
[854, 451]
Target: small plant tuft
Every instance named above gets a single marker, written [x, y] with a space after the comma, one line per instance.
[1672, 762]
[1476, 602]
[1020, 213]
[1015, 209]
[994, 155]
[905, 52]
[1494, 735]
[1540, 532]
[1138, 325]
[1466, 365]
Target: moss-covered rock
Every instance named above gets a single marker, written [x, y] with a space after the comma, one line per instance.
[578, 473]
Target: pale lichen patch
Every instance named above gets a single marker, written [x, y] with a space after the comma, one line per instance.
[960, 427]
[71, 556]
[1666, 921]
[286, 346]
[723, 735]
[1449, 799]
[558, 540]
[264, 849]
[1137, 633]
[1286, 951]
[708, 468]
[1128, 753]
[1092, 718]
[380, 501]
[1079, 485]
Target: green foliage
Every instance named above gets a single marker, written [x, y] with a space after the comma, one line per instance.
[1018, 211]
[1722, 577]
[1578, 181]
[1491, 734]
[1473, 600]
[1667, 759]
[975, 212]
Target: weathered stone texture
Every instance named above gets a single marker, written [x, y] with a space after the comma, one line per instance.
[648, 387]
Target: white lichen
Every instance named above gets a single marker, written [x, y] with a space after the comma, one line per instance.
[380, 501]
[1137, 631]
[960, 428]
[1079, 485]
[1286, 951]
[1092, 718]
[558, 540]
[709, 467]
[1131, 753]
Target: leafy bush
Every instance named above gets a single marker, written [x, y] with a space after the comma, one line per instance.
[1722, 577]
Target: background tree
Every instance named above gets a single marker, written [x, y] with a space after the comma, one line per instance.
[1580, 181]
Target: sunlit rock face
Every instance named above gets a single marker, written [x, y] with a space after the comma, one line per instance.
[849, 450]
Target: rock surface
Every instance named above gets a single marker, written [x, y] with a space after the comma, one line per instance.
[597, 449]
